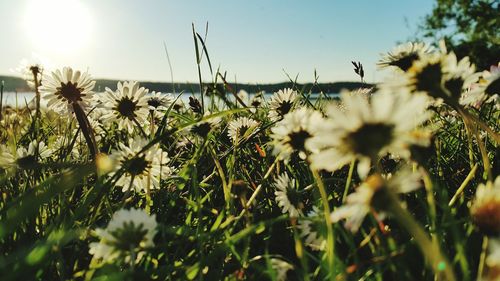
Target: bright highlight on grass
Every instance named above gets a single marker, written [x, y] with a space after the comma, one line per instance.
[58, 26]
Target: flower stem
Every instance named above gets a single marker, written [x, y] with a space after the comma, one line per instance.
[330, 247]
[87, 131]
[439, 263]
[348, 181]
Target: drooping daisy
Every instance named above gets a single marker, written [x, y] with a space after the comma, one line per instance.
[129, 234]
[291, 133]
[368, 130]
[361, 202]
[158, 103]
[141, 171]
[485, 209]
[403, 56]
[310, 230]
[241, 128]
[281, 268]
[281, 103]
[127, 105]
[67, 88]
[288, 197]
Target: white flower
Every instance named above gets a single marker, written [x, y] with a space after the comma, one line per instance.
[288, 196]
[309, 230]
[127, 105]
[485, 91]
[128, 234]
[281, 103]
[158, 103]
[281, 268]
[369, 129]
[291, 133]
[61, 145]
[141, 171]
[204, 126]
[241, 128]
[24, 157]
[360, 203]
[485, 209]
[493, 259]
[63, 89]
[403, 56]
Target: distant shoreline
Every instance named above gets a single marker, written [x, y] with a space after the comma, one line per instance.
[13, 84]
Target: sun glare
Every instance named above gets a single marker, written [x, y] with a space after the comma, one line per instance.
[58, 26]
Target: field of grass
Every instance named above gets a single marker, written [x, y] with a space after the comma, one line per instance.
[396, 182]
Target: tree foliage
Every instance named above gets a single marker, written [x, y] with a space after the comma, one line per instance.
[469, 28]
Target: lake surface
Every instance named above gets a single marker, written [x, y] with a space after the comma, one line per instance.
[21, 99]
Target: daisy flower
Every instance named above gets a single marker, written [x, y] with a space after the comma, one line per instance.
[128, 105]
[24, 158]
[485, 209]
[368, 130]
[241, 127]
[203, 127]
[128, 234]
[493, 261]
[158, 103]
[310, 230]
[485, 91]
[141, 171]
[281, 103]
[67, 88]
[288, 197]
[403, 56]
[361, 202]
[291, 133]
[281, 268]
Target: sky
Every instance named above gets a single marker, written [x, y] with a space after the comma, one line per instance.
[259, 41]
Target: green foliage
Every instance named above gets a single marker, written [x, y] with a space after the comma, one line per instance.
[469, 27]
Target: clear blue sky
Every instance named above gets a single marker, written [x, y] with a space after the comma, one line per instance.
[252, 40]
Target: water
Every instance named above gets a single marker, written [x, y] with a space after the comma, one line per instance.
[21, 99]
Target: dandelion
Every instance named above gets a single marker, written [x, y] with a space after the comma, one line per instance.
[32, 69]
[142, 171]
[485, 209]
[403, 56]
[288, 197]
[370, 195]
[291, 133]
[127, 237]
[66, 89]
[128, 106]
[241, 127]
[310, 230]
[281, 103]
[369, 129]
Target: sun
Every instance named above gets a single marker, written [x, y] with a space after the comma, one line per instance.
[58, 26]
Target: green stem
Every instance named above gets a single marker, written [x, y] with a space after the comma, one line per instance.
[348, 181]
[482, 258]
[439, 263]
[330, 247]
